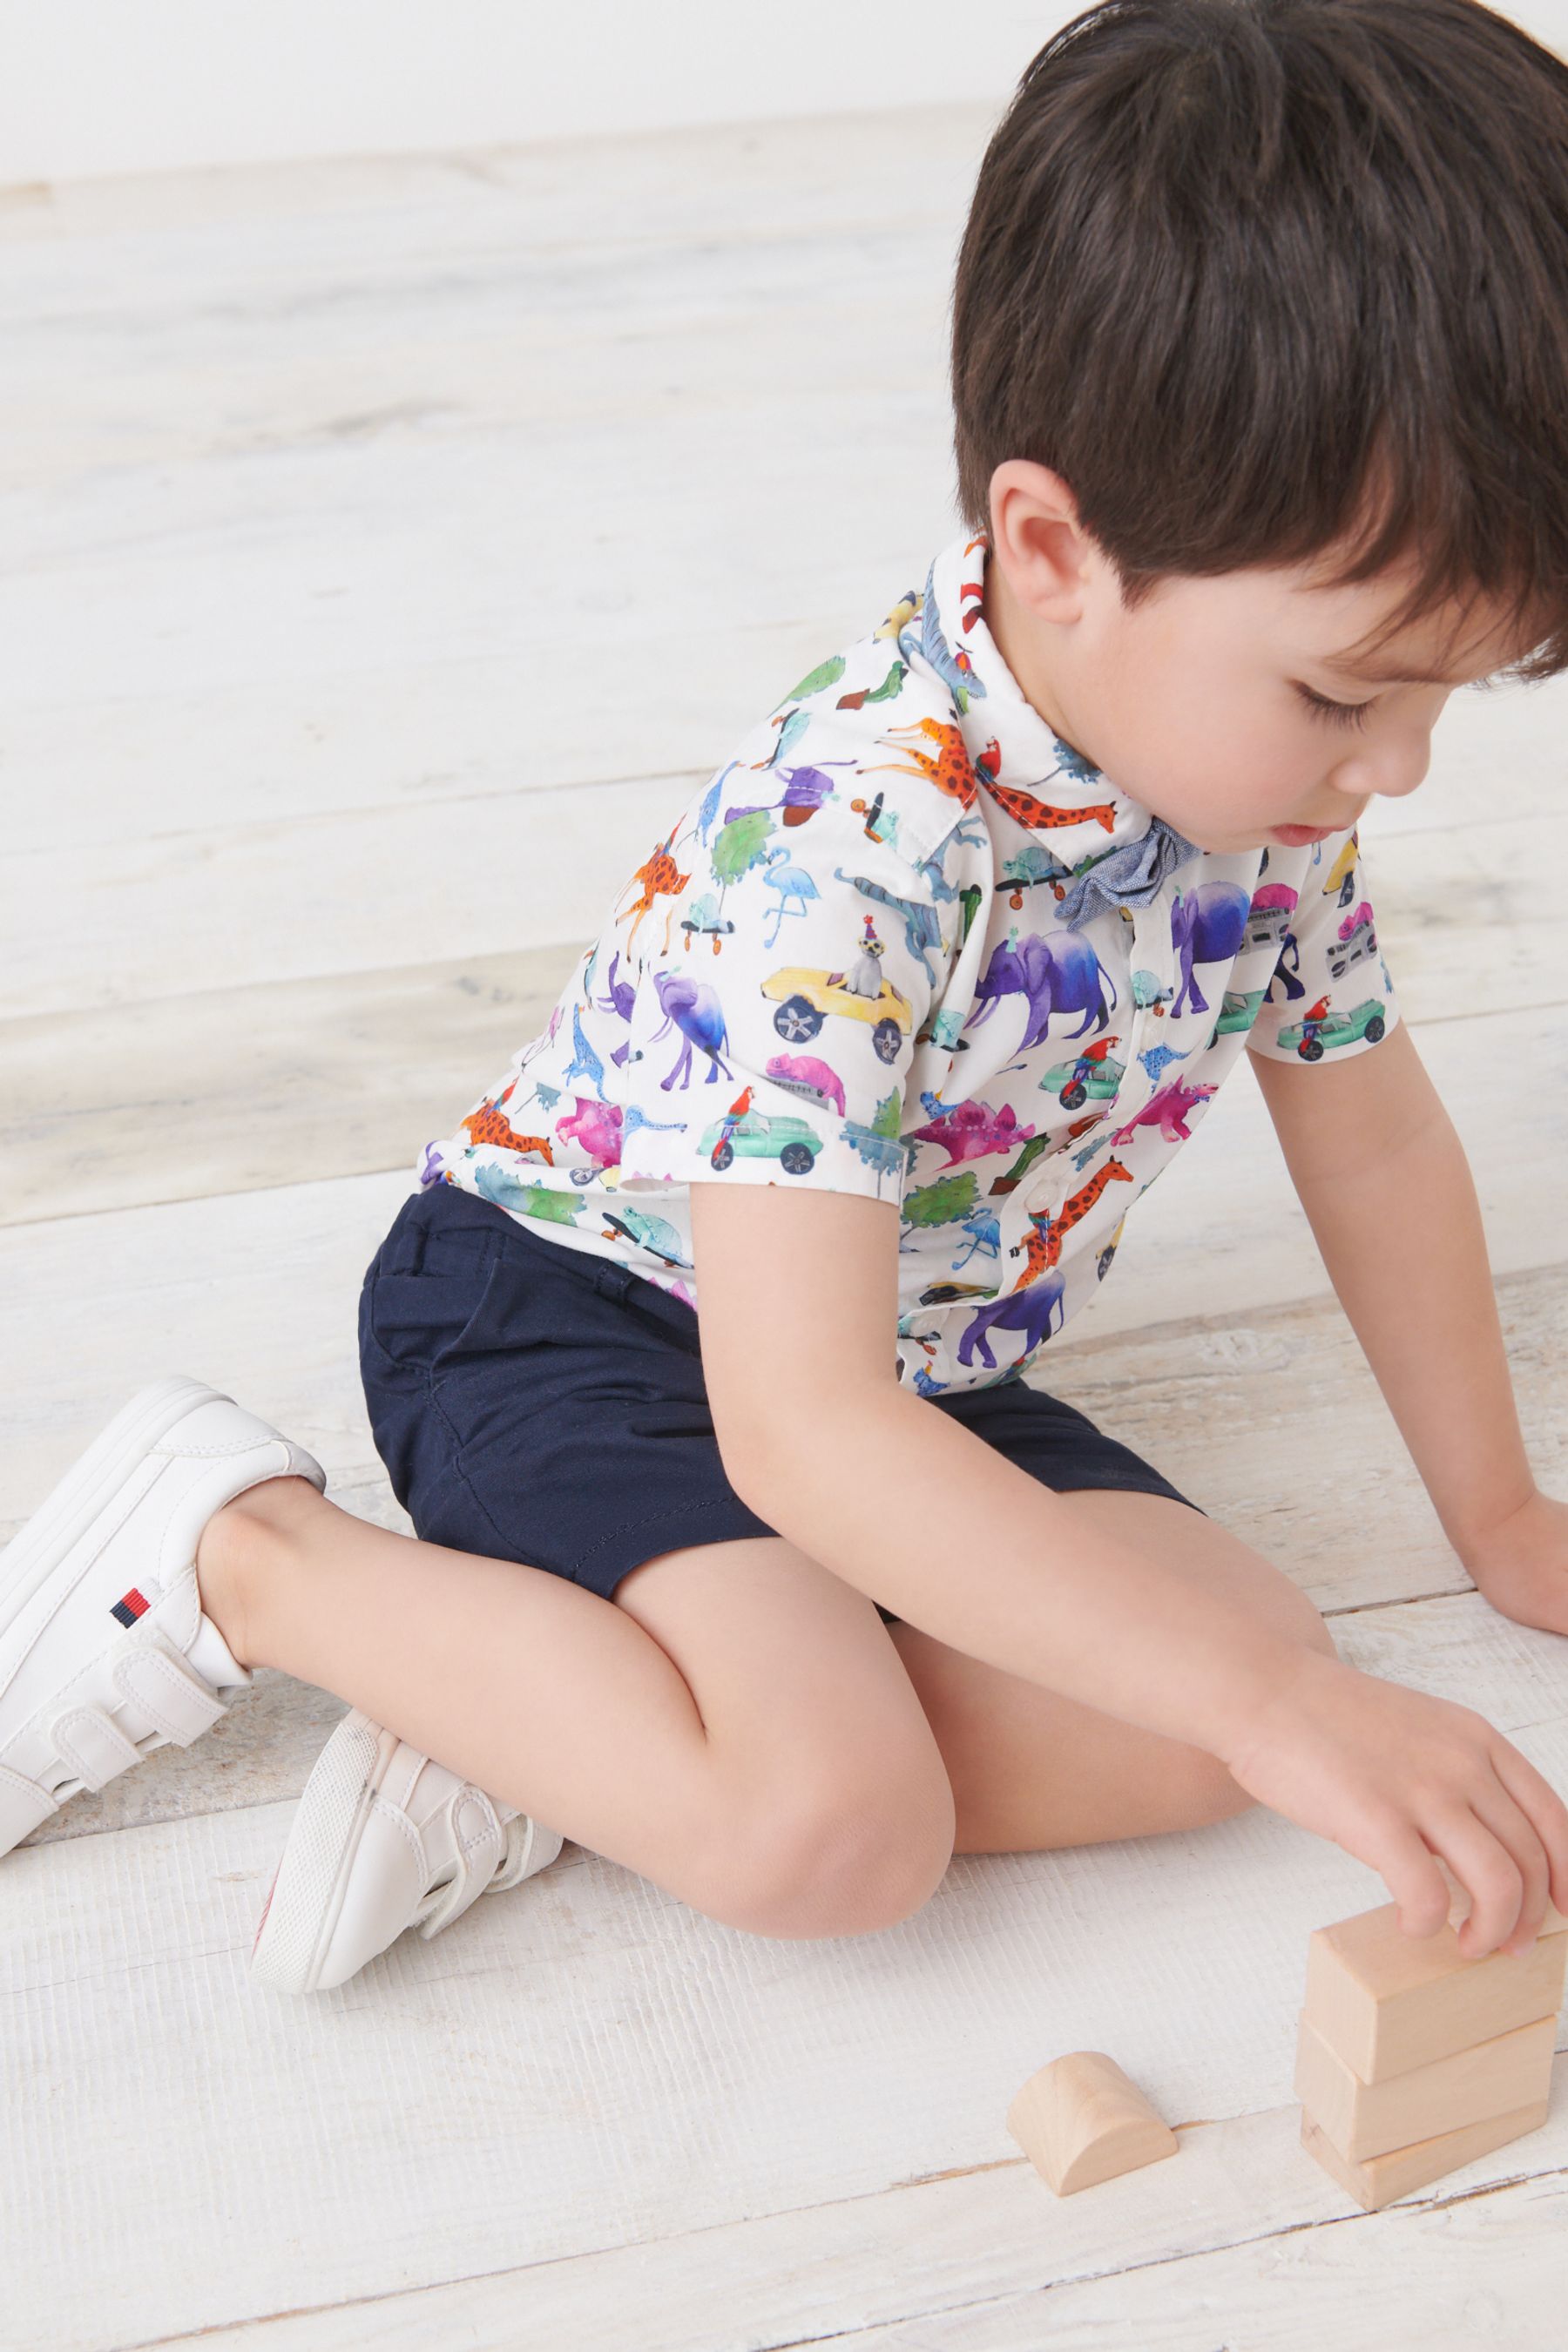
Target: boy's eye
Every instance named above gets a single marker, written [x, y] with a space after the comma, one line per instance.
[1342, 714]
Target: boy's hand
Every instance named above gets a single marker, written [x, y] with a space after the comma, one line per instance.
[1521, 1563]
[1397, 1778]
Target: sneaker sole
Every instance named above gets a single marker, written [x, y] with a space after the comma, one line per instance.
[306, 1896]
[69, 1510]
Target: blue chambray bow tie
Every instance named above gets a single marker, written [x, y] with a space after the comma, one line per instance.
[1128, 876]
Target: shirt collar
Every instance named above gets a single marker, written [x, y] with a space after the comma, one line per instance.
[1018, 756]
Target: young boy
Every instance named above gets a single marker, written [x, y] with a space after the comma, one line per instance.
[746, 1556]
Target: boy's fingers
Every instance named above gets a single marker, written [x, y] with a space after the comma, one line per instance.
[1487, 1871]
[1521, 1840]
[1545, 1808]
[1409, 1870]
[1529, 1856]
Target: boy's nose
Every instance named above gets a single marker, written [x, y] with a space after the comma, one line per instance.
[1391, 771]
[1403, 778]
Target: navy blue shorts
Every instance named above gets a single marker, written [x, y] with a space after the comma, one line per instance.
[531, 1402]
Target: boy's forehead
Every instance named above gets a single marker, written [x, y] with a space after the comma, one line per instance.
[1346, 630]
[1452, 647]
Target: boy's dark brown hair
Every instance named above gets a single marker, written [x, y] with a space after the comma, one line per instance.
[1260, 276]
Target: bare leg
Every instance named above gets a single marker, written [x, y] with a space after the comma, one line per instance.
[456, 1654]
[1031, 1769]
[575, 1710]
[706, 1778]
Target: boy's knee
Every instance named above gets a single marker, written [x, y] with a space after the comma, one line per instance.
[839, 1869]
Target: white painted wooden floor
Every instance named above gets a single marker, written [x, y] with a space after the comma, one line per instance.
[364, 526]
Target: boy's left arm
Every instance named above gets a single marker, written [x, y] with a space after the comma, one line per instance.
[1382, 1178]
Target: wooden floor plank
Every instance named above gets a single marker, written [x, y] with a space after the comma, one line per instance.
[949, 2252]
[391, 728]
[1477, 2264]
[586, 2063]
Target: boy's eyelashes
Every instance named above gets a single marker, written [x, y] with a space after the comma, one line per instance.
[1341, 714]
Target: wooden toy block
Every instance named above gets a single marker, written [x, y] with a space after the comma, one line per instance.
[1385, 2003]
[1080, 2120]
[1470, 2087]
[1381, 2179]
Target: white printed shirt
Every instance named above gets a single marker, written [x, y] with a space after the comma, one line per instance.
[910, 943]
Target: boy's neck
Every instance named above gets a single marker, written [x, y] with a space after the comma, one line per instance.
[1017, 638]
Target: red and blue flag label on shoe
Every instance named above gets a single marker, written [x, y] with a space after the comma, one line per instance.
[129, 1607]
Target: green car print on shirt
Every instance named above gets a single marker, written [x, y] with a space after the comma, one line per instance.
[1339, 1029]
[790, 1141]
[1239, 1011]
[1103, 1078]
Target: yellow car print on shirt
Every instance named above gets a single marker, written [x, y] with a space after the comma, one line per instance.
[809, 996]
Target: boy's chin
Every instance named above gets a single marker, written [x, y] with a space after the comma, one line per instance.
[1241, 838]
[1215, 842]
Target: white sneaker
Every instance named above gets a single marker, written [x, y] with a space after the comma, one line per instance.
[384, 1839]
[104, 1652]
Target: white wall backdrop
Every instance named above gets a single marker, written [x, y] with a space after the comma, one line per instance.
[99, 86]
[89, 87]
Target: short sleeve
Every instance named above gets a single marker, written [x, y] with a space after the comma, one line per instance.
[780, 994]
[1330, 994]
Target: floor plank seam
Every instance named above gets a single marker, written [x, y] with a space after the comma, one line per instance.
[1413, 2203]
[1398, 1601]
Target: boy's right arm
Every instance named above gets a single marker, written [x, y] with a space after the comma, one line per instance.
[798, 1306]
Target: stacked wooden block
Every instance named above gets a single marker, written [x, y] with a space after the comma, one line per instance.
[1412, 2060]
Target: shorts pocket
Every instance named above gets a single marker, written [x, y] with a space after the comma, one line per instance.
[423, 1320]
[665, 1318]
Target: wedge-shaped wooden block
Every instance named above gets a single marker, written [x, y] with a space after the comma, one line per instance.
[1384, 2002]
[1381, 2179]
[1364, 2119]
[1080, 2120]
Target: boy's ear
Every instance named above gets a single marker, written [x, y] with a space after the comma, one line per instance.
[1037, 539]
